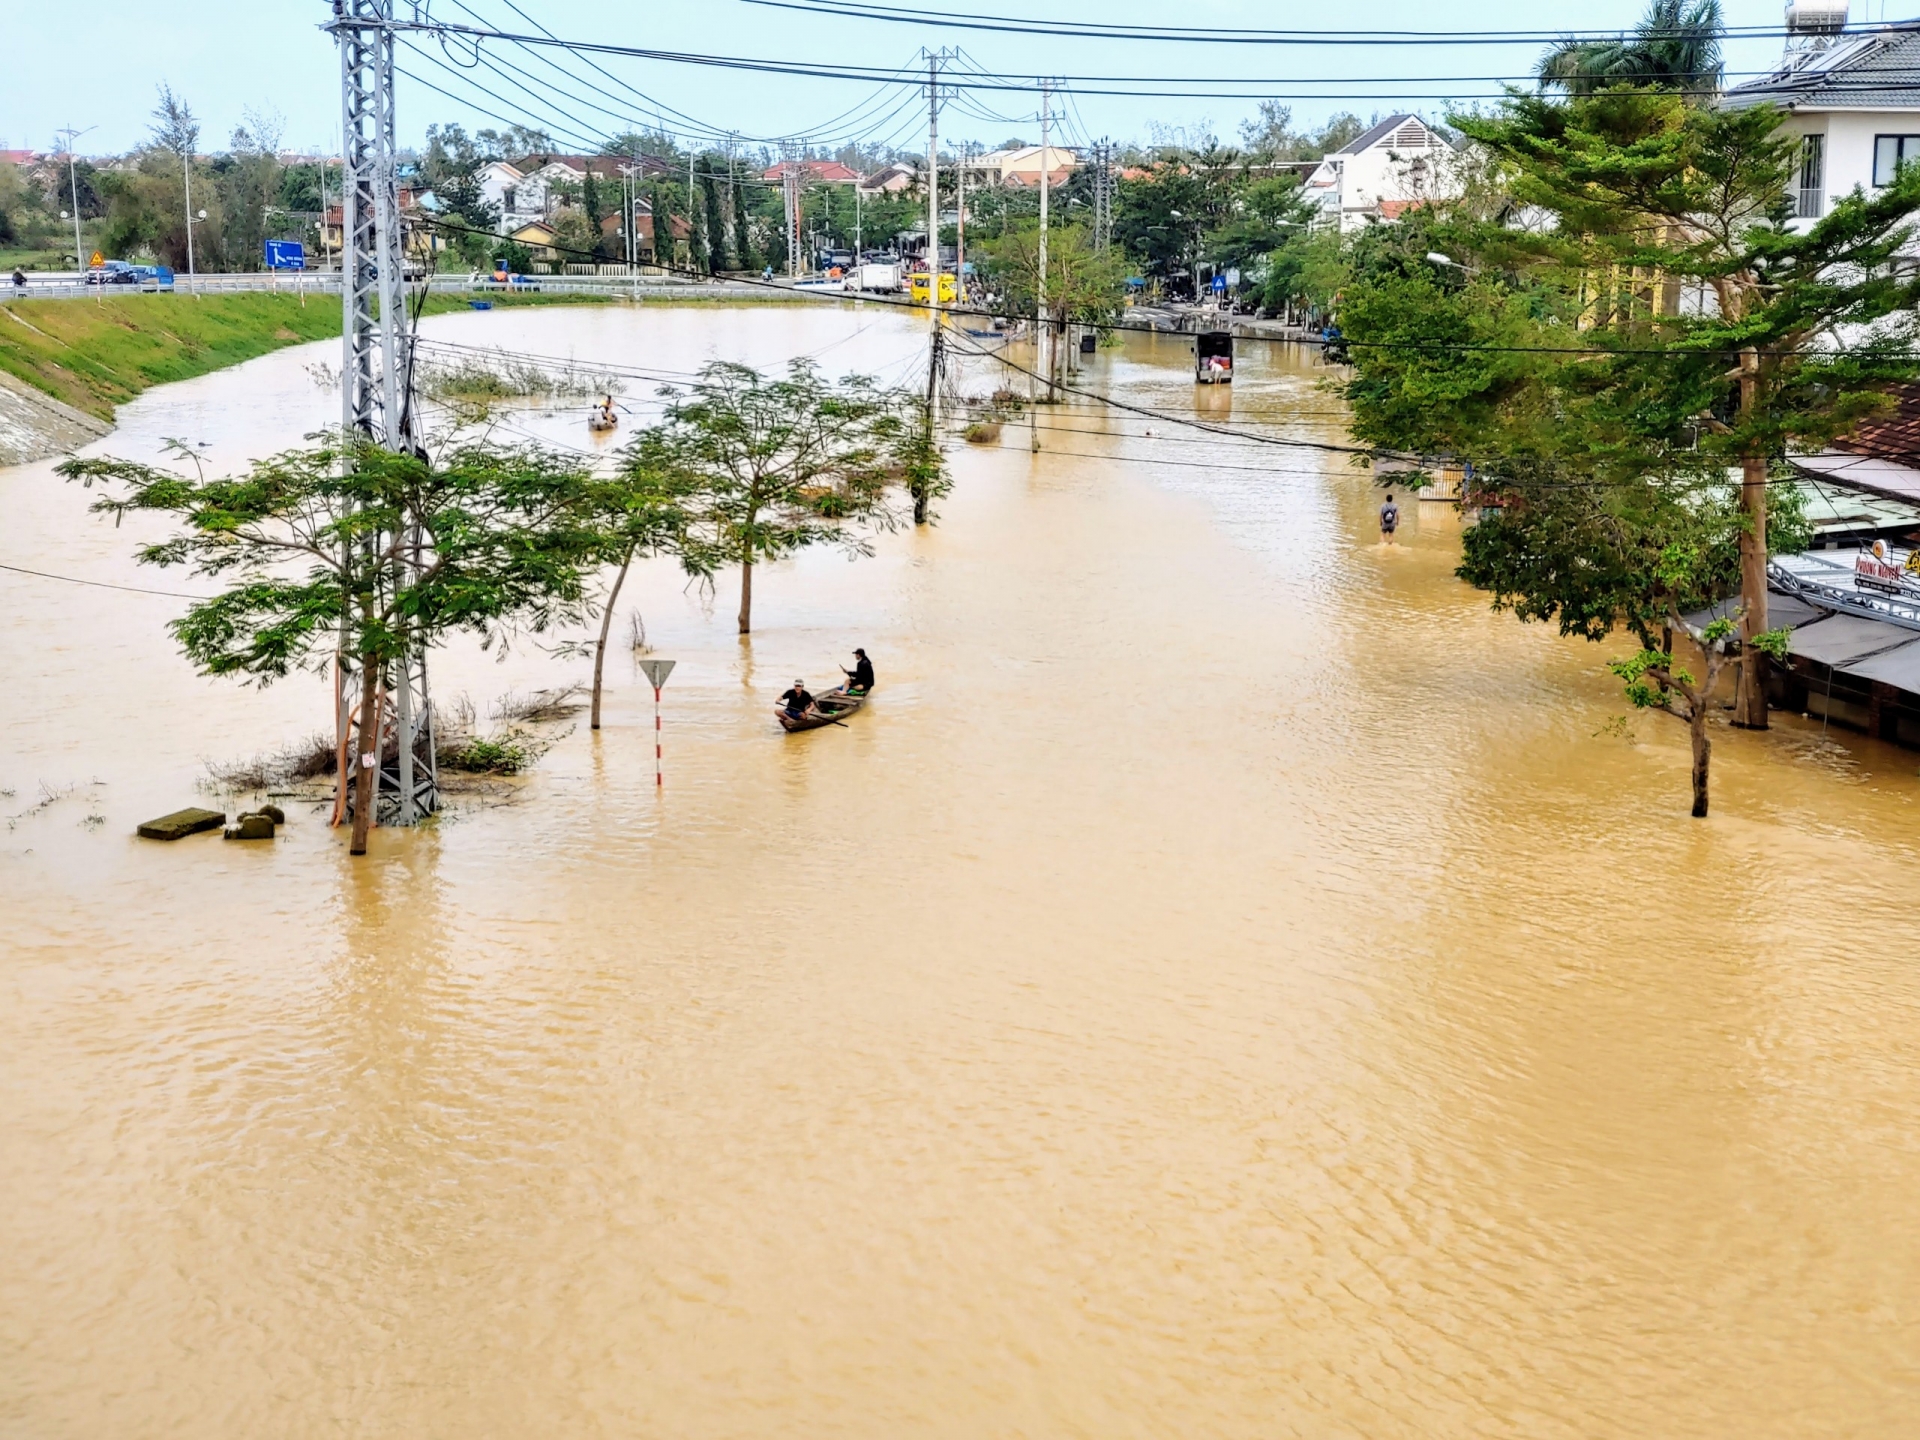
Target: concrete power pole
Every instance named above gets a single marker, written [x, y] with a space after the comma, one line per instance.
[1046, 147]
[933, 266]
[376, 369]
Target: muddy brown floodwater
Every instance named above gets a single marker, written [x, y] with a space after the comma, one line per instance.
[1227, 983]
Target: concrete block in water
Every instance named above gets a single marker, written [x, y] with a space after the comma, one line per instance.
[251, 827]
[190, 821]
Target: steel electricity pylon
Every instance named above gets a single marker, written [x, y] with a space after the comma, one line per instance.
[376, 375]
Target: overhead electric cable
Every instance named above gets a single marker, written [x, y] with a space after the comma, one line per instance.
[1216, 35]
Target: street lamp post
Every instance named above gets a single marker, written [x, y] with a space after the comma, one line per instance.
[73, 186]
[186, 174]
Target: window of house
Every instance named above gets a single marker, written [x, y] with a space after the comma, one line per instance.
[1890, 152]
[1812, 176]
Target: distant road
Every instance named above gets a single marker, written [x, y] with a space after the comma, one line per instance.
[318, 282]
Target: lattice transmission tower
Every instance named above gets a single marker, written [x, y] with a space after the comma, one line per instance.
[376, 374]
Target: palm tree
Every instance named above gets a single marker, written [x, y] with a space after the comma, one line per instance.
[1675, 47]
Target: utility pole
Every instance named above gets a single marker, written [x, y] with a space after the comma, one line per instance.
[1046, 145]
[935, 353]
[933, 260]
[960, 226]
[73, 186]
[186, 172]
[375, 373]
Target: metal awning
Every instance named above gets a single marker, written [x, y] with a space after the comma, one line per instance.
[1843, 640]
[1898, 667]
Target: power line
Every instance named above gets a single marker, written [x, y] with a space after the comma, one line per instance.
[1195, 87]
[104, 585]
[1161, 34]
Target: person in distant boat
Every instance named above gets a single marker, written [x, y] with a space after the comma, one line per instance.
[860, 678]
[1389, 519]
[606, 411]
[798, 700]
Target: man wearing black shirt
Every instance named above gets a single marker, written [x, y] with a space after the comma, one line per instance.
[797, 700]
[860, 678]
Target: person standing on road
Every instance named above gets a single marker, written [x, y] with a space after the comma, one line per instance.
[1389, 521]
[19, 278]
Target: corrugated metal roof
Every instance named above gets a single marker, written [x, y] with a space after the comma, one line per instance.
[1899, 667]
[1877, 69]
[1865, 472]
[1841, 640]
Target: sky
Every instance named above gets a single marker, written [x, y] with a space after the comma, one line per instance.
[270, 57]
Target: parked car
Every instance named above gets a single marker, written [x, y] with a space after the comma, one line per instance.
[114, 272]
[153, 277]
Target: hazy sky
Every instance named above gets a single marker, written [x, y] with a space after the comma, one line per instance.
[101, 68]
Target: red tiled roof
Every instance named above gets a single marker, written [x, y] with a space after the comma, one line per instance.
[831, 171]
[1893, 436]
[18, 157]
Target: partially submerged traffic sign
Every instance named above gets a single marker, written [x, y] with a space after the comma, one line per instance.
[657, 671]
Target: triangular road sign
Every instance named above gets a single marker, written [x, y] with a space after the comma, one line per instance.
[657, 671]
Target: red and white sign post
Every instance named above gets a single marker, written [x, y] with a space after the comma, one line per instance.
[657, 672]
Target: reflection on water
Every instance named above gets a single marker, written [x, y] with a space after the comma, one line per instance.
[1227, 983]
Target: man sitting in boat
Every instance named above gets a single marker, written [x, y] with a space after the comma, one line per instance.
[603, 414]
[860, 678]
[797, 700]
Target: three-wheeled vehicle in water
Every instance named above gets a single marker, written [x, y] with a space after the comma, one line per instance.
[1213, 357]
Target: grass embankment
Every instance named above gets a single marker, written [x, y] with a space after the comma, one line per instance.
[97, 354]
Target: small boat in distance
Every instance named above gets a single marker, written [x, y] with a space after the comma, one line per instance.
[827, 708]
[599, 423]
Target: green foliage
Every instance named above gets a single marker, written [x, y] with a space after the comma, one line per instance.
[758, 469]
[507, 754]
[1083, 283]
[1643, 673]
[1675, 47]
[309, 543]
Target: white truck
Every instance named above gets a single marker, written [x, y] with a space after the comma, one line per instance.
[876, 277]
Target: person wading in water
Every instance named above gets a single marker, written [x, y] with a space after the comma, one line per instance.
[1389, 520]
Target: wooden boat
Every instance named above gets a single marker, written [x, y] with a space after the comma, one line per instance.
[599, 423]
[827, 708]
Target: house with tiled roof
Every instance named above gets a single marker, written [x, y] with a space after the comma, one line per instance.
[1852, 95]
[1376, 176]
[825, 172]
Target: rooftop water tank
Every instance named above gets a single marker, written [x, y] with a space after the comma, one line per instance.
[1816, 17]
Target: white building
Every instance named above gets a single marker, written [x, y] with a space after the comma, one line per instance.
[1850, 95]
[519, 201]
[1020, 167]
[1398, 164]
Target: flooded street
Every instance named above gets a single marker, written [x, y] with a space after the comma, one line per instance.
[1228, 983]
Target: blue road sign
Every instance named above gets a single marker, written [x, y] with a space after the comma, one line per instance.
[1219, 282]
[286, 255]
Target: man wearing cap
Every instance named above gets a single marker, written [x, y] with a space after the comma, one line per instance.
[797, 700]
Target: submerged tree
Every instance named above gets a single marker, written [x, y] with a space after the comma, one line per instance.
[768, 467]
[1709, 321]
[641, 510]
[346, 551]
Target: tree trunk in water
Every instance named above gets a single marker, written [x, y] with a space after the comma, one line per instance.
[606, 624]
[1750, 703]
[746, 597]
[367, 743]
[1702, 752]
